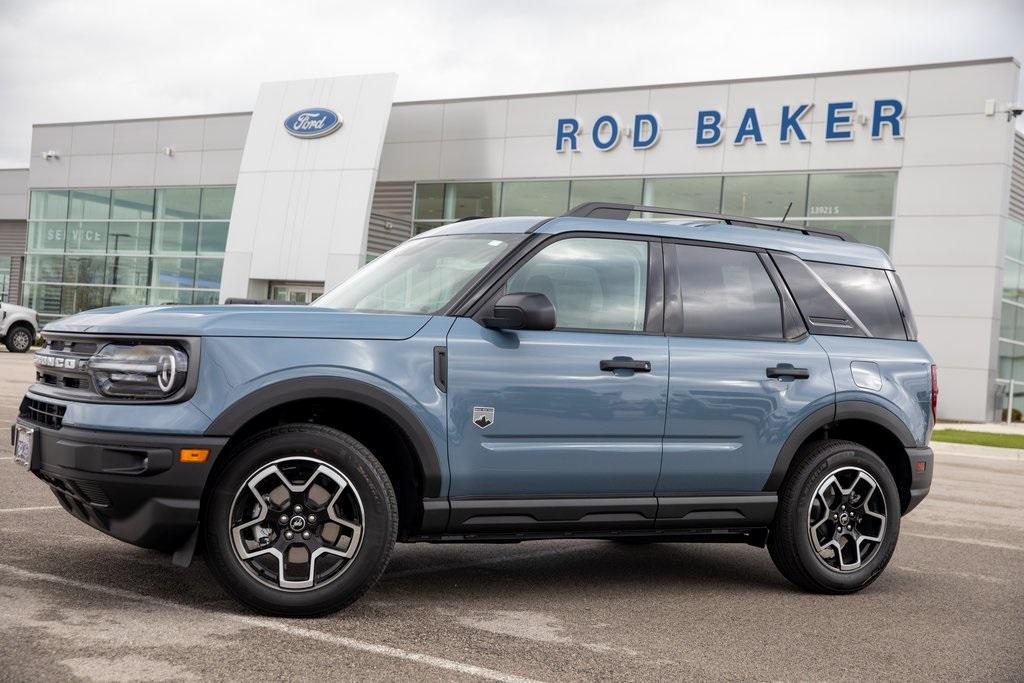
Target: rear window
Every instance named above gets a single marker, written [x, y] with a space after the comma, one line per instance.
[849, 301]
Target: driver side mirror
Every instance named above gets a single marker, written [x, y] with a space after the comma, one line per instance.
[522, 311]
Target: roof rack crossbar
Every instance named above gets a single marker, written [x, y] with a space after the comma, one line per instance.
[622, 211]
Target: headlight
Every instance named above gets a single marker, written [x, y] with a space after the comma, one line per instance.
[145, 371]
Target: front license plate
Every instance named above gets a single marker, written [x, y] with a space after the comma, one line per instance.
[24, 441]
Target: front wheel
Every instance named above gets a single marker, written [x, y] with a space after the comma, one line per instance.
[301, 522]
[838, 519]
[19, 339]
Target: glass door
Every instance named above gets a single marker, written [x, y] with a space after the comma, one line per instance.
[296, 292]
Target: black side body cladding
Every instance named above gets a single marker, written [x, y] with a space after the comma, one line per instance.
[823, 417]
[261, 400]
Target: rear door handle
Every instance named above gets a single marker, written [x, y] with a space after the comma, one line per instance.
[625, 364]
[786, 370]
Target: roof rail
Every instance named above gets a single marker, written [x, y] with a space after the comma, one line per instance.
[622, 211]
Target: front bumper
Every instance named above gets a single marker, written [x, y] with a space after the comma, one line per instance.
[128, 485]
[920, 481]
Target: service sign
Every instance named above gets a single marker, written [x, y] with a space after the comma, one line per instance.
[312, 123]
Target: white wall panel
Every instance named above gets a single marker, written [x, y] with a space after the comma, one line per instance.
[89, 170]
[953, 190]
[411, 161]
[960, 139]
[475, 119]
[184, 168]
[132, 137]
[92, 138]
[415, 123]
[472, 159]
[220, 167]
[538, 116]
[127, 170]
[181, 135]
[961, 89]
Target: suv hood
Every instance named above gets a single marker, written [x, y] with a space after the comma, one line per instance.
[241, 321]
[12, 310]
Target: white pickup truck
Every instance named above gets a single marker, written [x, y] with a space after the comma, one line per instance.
[18, 327]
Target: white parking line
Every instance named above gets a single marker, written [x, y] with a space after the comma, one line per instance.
[31, 509]
[7, 457]
[969, 541]
[280, 626]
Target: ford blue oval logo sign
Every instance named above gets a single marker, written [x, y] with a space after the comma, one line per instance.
[312, 123]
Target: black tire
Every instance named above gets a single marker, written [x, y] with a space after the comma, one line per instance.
[19, 338]
[287, 444]
[790, 539]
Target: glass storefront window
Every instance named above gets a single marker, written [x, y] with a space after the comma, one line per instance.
[1008, 321]
[86, 236]
[1015, 239]
[129, 237]
[213, 237]
[127, 270]
[44, 268]
[89, 205]
[465, 200]
[216, 203]
[429, 201]
[535, 198]
[177, 203]
[618, 190]
[1011, 280]
[84, 269]
[764, 196]
[75, 299]
[170, 296]
[208, 272]
[174, 272]
[695, 194]
[175, 238]
[850, 194]
[131, 204]
[49, 204]
[44, 236]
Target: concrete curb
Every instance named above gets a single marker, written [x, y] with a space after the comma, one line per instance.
[970, 451]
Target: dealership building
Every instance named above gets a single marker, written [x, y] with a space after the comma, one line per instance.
[926, 162]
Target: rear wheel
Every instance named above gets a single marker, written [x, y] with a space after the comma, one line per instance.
[838, 519]
[19, 338]
[302, 521]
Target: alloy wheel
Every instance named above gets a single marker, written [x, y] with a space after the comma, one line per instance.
[846, 519]
[296, 523]
[21, 340]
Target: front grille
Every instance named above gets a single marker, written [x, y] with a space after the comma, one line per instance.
[42, 412]
[67, 382]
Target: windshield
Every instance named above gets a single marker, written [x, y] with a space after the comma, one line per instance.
[418, 276]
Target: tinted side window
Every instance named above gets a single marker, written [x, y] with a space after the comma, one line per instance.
[868, 294]
[595, 284]
[727, 293]
[824, 315]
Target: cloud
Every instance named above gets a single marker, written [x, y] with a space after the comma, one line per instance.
[68, 60]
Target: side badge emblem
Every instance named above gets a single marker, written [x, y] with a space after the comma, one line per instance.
[483, 417]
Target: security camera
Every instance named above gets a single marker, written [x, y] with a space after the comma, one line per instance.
[1014, 109]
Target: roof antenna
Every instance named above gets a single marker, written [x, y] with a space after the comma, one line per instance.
[787, 212]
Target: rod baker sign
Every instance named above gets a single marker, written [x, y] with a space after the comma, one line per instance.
[884, 117]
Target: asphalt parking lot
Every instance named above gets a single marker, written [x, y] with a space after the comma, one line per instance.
[77, 604]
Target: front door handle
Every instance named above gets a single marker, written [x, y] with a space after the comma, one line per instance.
[625, 364]
[784, 370]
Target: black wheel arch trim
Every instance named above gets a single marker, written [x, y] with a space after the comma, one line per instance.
[286, 391]
[830, 414]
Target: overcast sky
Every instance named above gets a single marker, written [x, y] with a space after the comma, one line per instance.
[75, 60]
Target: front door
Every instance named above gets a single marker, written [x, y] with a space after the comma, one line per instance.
[532, 414]
[296, 292]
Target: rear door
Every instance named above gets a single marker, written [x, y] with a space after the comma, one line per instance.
[744, 372]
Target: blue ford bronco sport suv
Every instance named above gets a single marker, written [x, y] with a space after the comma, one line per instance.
[700, 378]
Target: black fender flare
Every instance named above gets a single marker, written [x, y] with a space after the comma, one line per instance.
[830, 414]
[286, 391]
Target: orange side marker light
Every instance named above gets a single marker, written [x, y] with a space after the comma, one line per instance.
[193, 454]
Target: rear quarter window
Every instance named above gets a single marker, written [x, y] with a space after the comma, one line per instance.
[868, 294]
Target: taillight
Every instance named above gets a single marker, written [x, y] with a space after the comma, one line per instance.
[935, 391]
